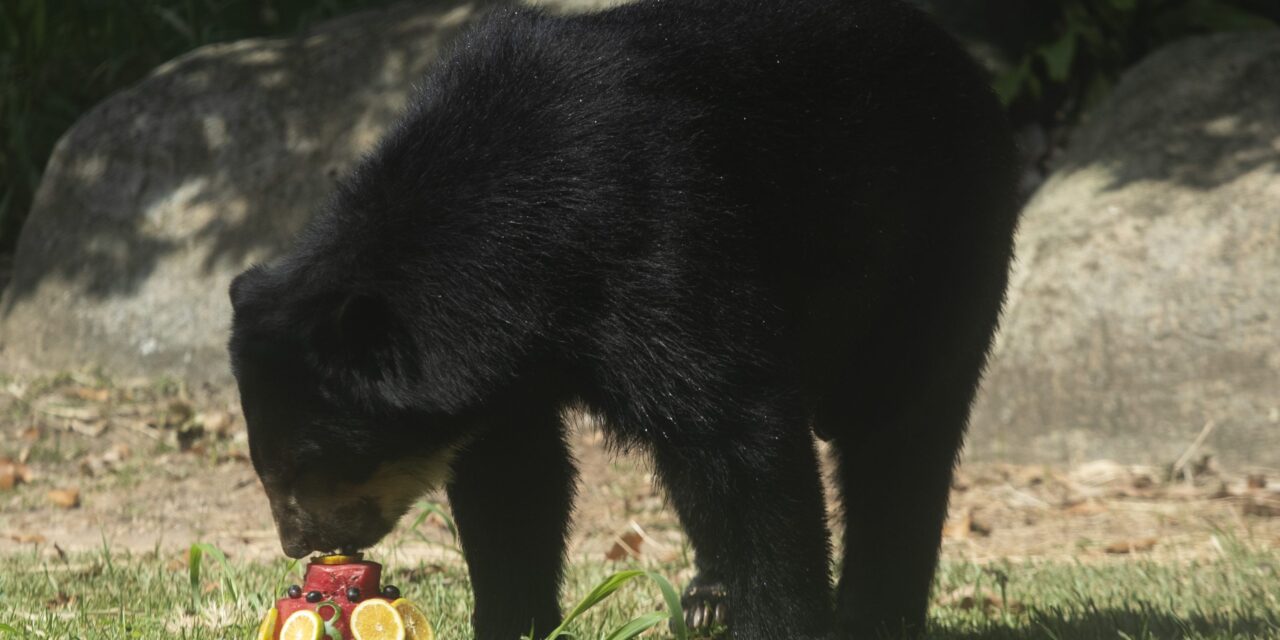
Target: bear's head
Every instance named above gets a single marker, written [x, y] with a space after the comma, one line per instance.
[339, 433]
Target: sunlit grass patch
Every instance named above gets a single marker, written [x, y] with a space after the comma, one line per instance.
[111, 595]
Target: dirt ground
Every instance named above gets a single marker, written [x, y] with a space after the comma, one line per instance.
[141, 466]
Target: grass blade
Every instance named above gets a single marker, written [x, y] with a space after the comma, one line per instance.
[674, 610]
[194, 558]
[195, 555]
[599, 593]
[429, 508]
[637, 626]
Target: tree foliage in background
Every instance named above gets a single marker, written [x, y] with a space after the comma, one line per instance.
[1077, 49]
[60, 57]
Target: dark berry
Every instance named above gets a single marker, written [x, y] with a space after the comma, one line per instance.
[390, 592]
[353, 594]
[314, 596]
[294, 591]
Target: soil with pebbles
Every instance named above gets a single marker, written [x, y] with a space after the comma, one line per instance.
[154, 468]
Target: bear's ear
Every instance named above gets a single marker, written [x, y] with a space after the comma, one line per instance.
[357, 330]
[243, 284]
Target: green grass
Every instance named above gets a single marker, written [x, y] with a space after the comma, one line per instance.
[147, 596]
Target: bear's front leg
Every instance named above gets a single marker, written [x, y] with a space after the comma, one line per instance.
[752, 506]
[512, 496]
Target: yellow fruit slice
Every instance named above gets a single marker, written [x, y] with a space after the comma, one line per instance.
[338, 558]
[376, 619]
[267, 630]
[416, 625]
[302, 625]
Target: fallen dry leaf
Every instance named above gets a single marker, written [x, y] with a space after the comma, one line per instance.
[1131, 546]
[90, 394]
[13, 474]
[89, 428]
[59, 601]
[107, 461]
[1256, 481]
[84, 414]
[178, 562]
[979, 525]
[218, 423]
[65, 498]
[1084, 508]
[628, 544]
[968, 597]
[30, 434]
[961, 527]
[27, 538]
[1262, 506]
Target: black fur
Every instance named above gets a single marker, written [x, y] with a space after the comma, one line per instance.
[716, 223]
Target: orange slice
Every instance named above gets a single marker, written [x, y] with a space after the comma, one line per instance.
[302, 625]
[267, 630]
[376, 619]
[416, 625]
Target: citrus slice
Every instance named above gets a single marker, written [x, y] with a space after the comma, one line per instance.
[302, 625]
[267, 630]
[338, 558]
[416, 625]
[376, 619]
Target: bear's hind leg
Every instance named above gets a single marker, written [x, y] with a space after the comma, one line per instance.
[512, 497]
[753, 510]
[895, 476]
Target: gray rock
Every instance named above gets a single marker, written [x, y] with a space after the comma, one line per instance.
[156, 198]
[1145, 302]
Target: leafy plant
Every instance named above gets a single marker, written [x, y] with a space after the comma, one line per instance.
[1083, 50]
[635, 626]
[195, 561]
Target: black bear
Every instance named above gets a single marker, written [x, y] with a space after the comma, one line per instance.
[723, 226]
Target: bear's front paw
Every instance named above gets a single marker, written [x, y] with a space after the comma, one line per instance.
[706, 606]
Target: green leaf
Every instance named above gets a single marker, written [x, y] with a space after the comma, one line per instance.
[637, 626]
[674, 610]
[599, 593]
[1008, 85]
[633, 628]
[1124, 5]
[1059, 55]
[195, 554]
[8, 629]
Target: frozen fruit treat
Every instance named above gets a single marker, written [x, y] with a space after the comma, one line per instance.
[340, 599]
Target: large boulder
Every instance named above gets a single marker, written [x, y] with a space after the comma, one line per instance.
[156, 198]
[1144, 308]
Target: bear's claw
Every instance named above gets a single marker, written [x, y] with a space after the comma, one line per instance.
[706, 607]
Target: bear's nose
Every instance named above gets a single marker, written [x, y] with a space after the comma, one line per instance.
[295, 548]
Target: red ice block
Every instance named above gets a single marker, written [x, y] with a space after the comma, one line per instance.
[332, 576]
